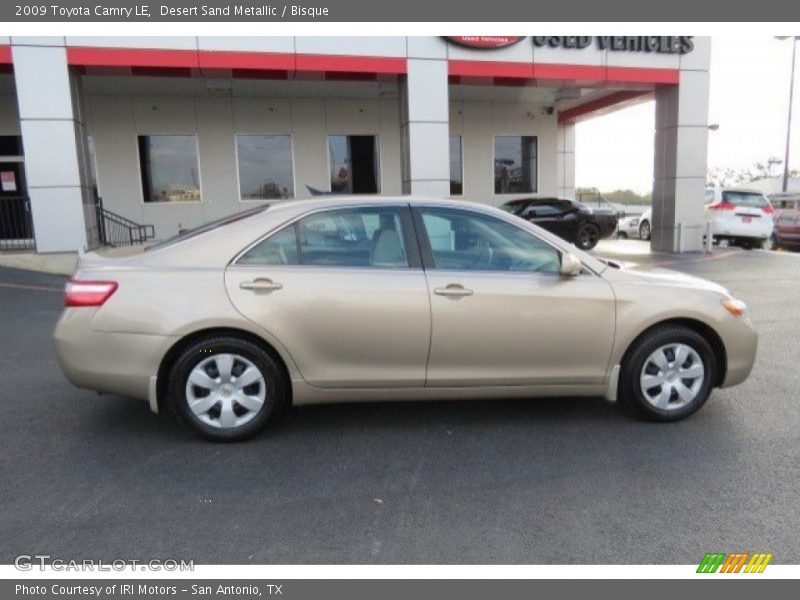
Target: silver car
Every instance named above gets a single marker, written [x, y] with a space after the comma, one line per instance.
[348, 299]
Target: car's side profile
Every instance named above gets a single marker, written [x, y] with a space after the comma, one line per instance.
[374, 299]
[787, 222]
[570, 220]
[636, 226]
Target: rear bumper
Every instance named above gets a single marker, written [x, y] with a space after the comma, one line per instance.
[787, 238]
[732, 229]
[108, 362]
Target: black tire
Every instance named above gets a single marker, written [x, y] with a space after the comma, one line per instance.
[273, 377]
[621, 235]
[587, 237]
[644, 230]
[630, 394]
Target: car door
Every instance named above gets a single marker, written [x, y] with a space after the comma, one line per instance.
[550, 216]
[343, 290]
[502, 313]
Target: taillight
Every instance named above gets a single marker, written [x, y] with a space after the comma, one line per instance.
[722, 206]
[768, 209]
[88, 293]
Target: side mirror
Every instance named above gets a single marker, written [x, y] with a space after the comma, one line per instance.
[571, 265]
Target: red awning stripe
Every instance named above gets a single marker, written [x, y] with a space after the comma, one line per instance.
[536, 71]
[259, 61]
[603, 105]
[132, 57]
[214, 59]
[489, 68]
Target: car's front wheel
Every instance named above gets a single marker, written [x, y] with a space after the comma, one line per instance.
[226, 388]
[644, 230]
[667, 374]
[588, 236]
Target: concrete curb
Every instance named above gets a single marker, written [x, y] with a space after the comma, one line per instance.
[57, 263]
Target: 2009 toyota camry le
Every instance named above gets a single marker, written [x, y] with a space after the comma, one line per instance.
[366, 299]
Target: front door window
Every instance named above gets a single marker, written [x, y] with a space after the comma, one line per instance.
[469, 241]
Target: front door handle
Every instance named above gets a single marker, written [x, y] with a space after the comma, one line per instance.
[262, 284]
[453, 290]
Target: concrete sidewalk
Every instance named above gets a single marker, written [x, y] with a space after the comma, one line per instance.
[57, 264]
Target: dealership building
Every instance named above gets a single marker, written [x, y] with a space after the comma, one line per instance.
[171, 132]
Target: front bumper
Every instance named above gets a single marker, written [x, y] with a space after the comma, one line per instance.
[741, 342]
[108, 362]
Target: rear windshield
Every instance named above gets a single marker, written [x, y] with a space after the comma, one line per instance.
[746, 199]
[185, 234]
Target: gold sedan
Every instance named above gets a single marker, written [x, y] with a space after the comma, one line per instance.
[348, 299]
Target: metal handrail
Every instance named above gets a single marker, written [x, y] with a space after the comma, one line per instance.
[116, 230]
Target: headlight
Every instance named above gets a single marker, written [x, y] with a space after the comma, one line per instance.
[736, 307]
[634, 222]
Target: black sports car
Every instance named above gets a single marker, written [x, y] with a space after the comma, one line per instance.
[575, 222]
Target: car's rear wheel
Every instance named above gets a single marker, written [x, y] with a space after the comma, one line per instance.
[644, 230]
[226, 388]
[667, 374]
[588, 236]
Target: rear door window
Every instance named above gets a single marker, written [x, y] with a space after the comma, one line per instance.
[359, 237]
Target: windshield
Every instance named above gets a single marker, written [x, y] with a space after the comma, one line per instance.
[185, 234]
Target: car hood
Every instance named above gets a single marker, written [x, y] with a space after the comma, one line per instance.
[630, 274]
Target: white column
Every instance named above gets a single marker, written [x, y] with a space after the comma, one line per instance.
[565, 160]
[425, 122]
[681, 145]
[54, 142]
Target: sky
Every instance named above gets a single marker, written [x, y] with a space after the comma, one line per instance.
[749, 100]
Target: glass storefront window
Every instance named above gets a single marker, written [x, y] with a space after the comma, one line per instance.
[354, 164]
[169, 168]
[515, 159]
[265, 167]
[456, 166]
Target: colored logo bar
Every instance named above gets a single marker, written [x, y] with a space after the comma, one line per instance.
[735, 562]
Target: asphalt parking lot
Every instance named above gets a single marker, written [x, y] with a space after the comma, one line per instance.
[539, 481]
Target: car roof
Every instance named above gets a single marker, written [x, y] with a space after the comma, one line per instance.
[741, 190]
[537, 200]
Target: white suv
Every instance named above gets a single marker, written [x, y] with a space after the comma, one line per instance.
[739, 217]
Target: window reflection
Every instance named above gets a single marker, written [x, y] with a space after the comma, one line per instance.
[265, 166]
[515, 164]
[169, 168]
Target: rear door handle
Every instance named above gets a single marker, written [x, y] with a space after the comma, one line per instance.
[453, 290]
[262, 284]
